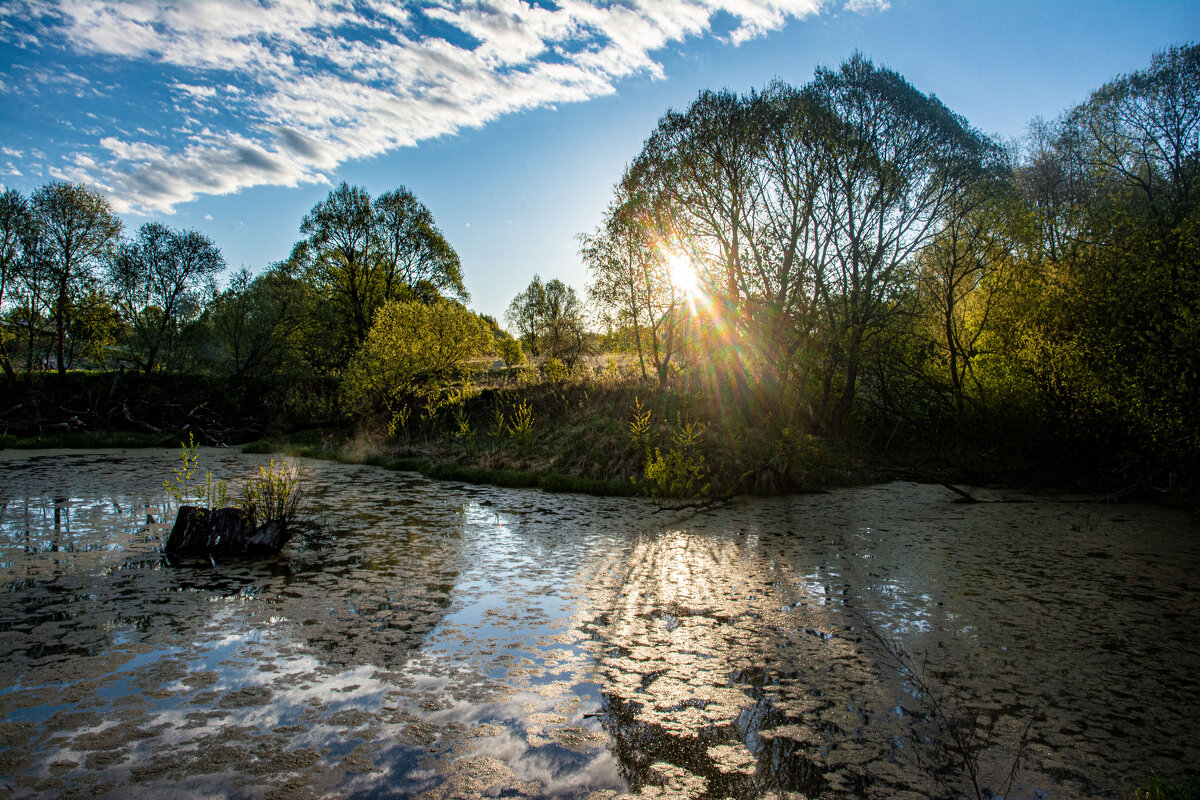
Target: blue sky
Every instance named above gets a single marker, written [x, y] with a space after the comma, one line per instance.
[510, 120]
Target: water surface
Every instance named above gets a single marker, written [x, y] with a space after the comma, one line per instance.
[461, 641]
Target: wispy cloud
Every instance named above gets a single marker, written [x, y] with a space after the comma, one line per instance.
[281, 92]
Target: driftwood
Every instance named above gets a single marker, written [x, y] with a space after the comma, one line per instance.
[224, 532]
[146, 426]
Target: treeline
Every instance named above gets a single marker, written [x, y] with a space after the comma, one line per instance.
[76, 294]
[846, 267]
[866, 262]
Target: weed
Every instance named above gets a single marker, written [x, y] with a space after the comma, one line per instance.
[520, 426]
[680, 473]
[1156, 787]
[498, 426]
[180, 487]
[275, 493]
[639, 426]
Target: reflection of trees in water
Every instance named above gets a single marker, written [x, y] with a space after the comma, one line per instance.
[83, 576]
[728, 676]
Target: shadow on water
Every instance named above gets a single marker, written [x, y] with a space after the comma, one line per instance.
[458, 641]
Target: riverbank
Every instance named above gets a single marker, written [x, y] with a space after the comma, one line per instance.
[601, 432]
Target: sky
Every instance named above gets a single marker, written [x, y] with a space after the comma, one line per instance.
[511, 120]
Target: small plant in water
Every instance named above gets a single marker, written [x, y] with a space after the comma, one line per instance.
[179, 487]
[274, 493]
[210, 494]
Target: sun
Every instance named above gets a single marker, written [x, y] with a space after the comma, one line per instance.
[682, 271]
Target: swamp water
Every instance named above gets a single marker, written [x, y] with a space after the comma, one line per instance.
[462, 641]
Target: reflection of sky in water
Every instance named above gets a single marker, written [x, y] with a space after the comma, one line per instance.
[459, 641]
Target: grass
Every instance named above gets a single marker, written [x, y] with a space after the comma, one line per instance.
[1156, 787]
[444, 470]
[87, 440]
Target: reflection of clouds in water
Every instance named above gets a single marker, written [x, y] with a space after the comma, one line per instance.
[458, 641]
[724, 675]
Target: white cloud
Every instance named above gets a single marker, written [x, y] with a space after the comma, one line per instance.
[867, 6]
[325, 81]
[200, 92]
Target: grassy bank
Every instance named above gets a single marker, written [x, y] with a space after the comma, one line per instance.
[87, 440]
[599, 431]
[337, 447]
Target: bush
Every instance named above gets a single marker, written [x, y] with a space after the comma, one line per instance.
[275, 493]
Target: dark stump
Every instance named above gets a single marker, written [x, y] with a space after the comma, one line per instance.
[223, 532]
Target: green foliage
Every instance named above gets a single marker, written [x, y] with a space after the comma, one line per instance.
[549, 319]
[1156, 787]
[410, 348]
[520, 425]
[180, 486]
[498, 426]
[359, 254]
[804, 460]
[554, 370]
[640, 426]
[680, 473]
[509, 349]
[209, 494]
[274, 493]
[159, 281]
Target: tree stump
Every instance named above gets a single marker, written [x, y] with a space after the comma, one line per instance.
[223, 532]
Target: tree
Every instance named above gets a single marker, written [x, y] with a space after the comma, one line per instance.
[339, 258]
[564, 329]
[411, 346]
[413, 250]
[15, 222]
[526, 312]
[78, 231]
[253, 319]
[159, 280]
[964, 273]
[549, 321]
[895, 160]
[631, 277]
[1122, 288]
[359, 254]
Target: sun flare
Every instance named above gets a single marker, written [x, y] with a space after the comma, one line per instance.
[683, 275]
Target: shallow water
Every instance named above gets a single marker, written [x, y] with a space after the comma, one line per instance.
[460, 641]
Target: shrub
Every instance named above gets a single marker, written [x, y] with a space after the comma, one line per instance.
[275, 493]
[680, 473]
[509, 349]
[555, 371]
[520, 425]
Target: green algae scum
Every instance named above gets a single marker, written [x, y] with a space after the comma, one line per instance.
[451, 641]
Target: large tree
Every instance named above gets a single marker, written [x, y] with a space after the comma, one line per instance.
[15, 222]
[360, 253]
[160, 280]
[78, 231]
[895, 160]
